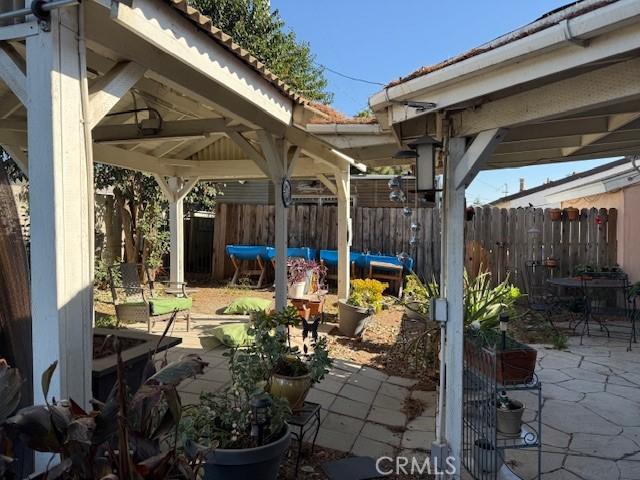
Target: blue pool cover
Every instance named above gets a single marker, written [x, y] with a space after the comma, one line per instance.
[247, 252]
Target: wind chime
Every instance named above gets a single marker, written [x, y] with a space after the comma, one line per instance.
[423, 152]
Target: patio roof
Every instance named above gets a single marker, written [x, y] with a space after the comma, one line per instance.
[134, 84]
[565, 86]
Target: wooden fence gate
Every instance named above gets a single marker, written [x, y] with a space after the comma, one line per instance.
[500, 240]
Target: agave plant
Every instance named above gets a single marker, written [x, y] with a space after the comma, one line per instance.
[129, 437]
[483, 303]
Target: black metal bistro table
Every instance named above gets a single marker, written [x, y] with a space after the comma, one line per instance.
[586, 285]
[305, 420]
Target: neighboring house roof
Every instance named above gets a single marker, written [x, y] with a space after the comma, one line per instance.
[205, 24]
[548, 20]
[555, 183]
[329, 115]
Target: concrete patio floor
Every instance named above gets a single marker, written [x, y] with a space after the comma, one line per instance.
[591, 408]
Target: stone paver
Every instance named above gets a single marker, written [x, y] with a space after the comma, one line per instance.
[371, 448]
[386, 401]
[394, 391]
[374, 374]
[607, 446]
[590, 468]
[340, 441]
[323, 398]
[358, 394]
[342, 423]
[613, 408]
[423, 423]
[570, 417]
[386, 416]
[403, 382]
[417, 439]
[329, 385]
[361, 380]
[350, 408]
[558, 392]
[375, 431]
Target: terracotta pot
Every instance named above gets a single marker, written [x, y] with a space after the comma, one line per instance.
[573, 214]
[516, 366]
[352, 320]
[294, 389]
[555, 214]
[551, 262]
[510, 421]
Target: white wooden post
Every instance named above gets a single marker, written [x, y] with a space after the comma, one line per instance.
[175, 189]
[344, 232]
[61, 256]
[176, 229]
[453, 291]
[275, 154]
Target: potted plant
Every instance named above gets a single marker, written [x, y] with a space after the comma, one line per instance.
[305, 276]
[551, 262]
[364, 301]
[416, 297]
[555, 214]
[131, 436]
[242, 433]
[573, 214]
[239, 434]
[485, 457]
[509, 415]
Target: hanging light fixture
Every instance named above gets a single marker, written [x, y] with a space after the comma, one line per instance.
[425, 169]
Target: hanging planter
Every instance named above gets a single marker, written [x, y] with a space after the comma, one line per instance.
[573, 214]
[555, 214]
[600, 219]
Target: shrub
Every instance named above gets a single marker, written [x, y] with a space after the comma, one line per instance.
[367, 293]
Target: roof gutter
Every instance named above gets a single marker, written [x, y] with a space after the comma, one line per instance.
[574, 30]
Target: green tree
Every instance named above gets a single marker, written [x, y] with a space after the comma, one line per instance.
[261, 31]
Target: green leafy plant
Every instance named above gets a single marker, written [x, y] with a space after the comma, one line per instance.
[416, 295]
[483, 303]
[367, 293]
[107, 321]
[132, 436]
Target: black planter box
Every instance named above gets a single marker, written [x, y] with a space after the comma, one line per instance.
[104, 375]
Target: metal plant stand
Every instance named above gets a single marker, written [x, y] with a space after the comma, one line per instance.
[484, 447]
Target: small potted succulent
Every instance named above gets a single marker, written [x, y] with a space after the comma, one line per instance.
[365, 300]
[305, 276]
[509, 415]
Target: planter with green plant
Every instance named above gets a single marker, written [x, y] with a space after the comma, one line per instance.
[305, 277]
[365, 300]
[416, 297]
[242, 432]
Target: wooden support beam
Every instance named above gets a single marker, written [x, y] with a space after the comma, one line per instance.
[476, 156]
[110, 88]
[276, 163]
[251, 152]
[594, 89]
[615, 122]
[168, 130]
[344, 233]
[132, 160]
[59, 195]
[13, 71]
[328, 183]
[452, 289]
[293, 155]
[19, 31]
[9, 103]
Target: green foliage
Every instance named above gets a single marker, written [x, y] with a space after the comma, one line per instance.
[367, 293]
[559, 341]
[131, 435]
[483, 303]
[224, 421]
[416, 295]
[262, 32]
[107, 321]
[102, 277]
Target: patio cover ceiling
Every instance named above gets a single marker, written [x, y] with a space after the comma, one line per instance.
[566, 87]
[212, 97]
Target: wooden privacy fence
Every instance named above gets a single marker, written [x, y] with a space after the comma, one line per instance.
[499, 239]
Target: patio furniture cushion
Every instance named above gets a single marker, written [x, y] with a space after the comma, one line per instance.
[248, 304]
[230, 335]
[160, 306]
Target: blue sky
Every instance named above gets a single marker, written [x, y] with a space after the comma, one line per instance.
[380, 40]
